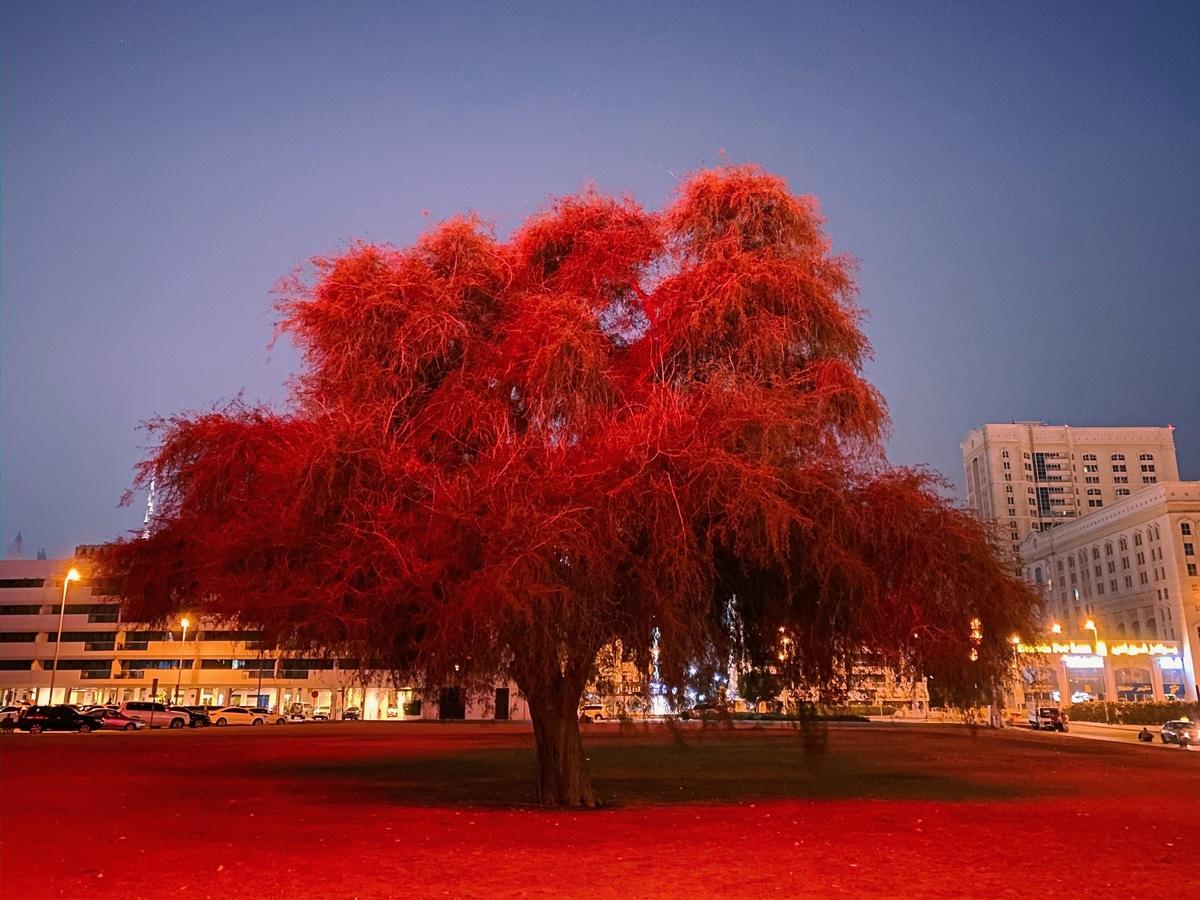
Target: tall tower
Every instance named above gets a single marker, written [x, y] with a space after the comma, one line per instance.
[1030, 476]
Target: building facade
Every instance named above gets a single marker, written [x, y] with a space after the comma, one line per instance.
[100, 658]
[1129, 568]
[1029, 476]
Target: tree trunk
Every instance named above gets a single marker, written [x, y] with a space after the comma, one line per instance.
[563, 778]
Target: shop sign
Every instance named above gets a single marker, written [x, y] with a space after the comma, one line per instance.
[1102, 648]
[1170, 662]
[1083, 662]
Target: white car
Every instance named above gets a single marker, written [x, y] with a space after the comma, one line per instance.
[269, 715]
[10, 713]
[236, 715]
[156, 715]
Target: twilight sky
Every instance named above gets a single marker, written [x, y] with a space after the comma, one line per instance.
[1021, 186]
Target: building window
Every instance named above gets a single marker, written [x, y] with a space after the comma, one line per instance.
[1004, 453]
[1141, 558]
[1128, 581]
[1112, 567]
[1091, 468]
[1191, 570]
[1146, 457]
[1120, 468]
[1118, 457]
[1121, 479]
[1122, 492]
[1112, 585]
[1142, 579]
[1185, 528]
[1189, 549]
[1094, 504]
[1149, 479]
[1149, 468]
[1007, 466]
[1137, 539]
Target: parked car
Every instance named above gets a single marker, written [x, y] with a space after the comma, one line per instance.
[114, 720]
[300, 710]
[1183, 732]
[195, 719]
[705, 710]
[36, 719]
[321, 712]
[273, 717]
[352, 714]
[237, 715]
[1048, 718]
[592, 712]
[10, 714]
[156, 715]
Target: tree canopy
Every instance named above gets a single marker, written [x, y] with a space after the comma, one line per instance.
[617, 424]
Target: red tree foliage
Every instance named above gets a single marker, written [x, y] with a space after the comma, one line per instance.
[616, 425]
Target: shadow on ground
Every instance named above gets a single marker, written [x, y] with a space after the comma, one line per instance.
[637, 772]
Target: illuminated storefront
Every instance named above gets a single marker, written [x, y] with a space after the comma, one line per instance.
[1077, 671]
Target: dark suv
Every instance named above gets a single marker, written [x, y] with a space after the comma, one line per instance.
[36, 719]
[197, 715]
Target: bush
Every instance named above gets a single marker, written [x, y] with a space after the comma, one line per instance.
[1133, 713]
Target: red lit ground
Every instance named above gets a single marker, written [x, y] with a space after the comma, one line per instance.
[426, 810]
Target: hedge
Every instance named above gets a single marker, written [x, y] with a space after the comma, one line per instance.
[1123, 713]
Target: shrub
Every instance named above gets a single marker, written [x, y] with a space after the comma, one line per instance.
[1133, 713]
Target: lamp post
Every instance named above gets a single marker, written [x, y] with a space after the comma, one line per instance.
[1090, 625]
[179, 675]
[72, 575]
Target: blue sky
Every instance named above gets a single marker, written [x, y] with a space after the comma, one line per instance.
[1020, 184]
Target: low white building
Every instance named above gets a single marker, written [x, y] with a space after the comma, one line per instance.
[1131, 569]
[100, 658]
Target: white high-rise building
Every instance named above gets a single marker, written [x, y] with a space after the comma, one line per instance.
[1029, 476]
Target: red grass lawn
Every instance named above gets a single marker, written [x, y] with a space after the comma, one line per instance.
[392, 810]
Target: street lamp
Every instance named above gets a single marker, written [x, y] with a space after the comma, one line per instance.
[1090, 625]
[179, 676]
[72, 575]
[1055, 628]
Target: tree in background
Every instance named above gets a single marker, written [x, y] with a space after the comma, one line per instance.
[616, 425]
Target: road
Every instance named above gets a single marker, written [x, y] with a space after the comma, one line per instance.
[1124, 734]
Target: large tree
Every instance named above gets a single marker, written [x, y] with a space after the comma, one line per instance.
[615, 425]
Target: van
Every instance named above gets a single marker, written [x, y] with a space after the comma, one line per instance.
[1049, 718]
[156, 715]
